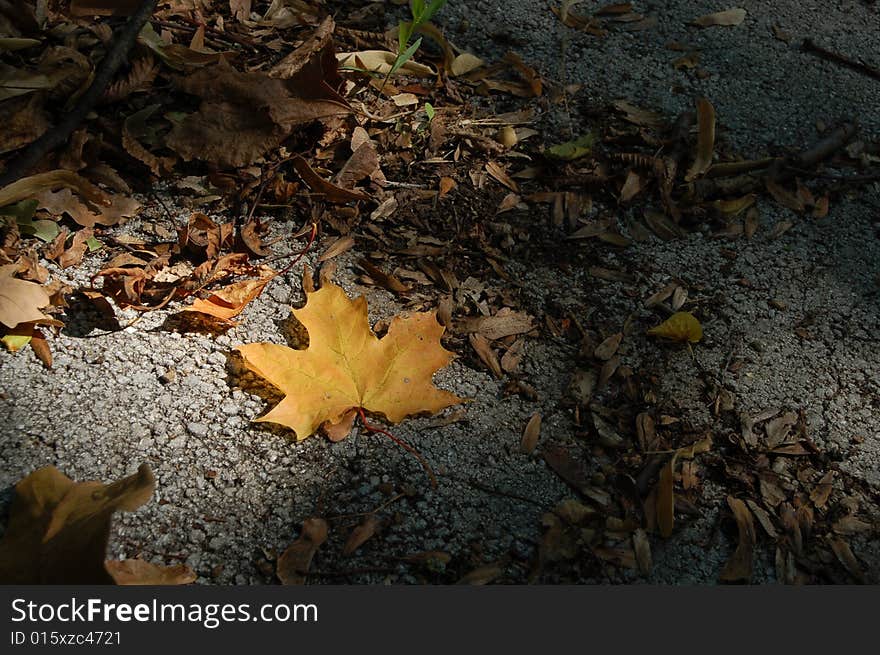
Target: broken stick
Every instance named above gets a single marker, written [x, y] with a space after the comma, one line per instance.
[54, 137]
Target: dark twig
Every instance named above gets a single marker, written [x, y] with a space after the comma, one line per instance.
[809, 46]
[111, 62]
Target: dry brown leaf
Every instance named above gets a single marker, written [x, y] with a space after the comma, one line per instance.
[560, 460]
[642, 549]
[513, 356]
[230, 301]
[751, 222]
[30, 187]
[637, 115]
[705, 140]
[319, 185]
[447, 184]
[103, 7]
[24, 120]
[526, 72]
[508, 202]
[785, 197]
[141, 572]
[241, 9]
[484, 351]
[380, 63]
[739, 567]
[360, 534]
[313, 58]
[383, 279]
[608, 347]
[851, 525]
[727, 18]
[363, 163]
[666, 499]
[58, 529]
[506, 322]
[531, 434]
[339, 246]
[20, 301]
[481, 576]
[498, 173]
[820, 494]
[244, 115]
[293, 565]
[763, 518]
[77, 250]
[465, 63]
[632, 186]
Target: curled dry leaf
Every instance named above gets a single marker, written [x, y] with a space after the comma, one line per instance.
[58, 529]
[230, 301]
[739, 566]
[30, 187]
[293, 564]
[531, 434]
[346, 366]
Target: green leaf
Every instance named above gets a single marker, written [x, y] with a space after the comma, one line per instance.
[14, 342]
[404, 33]
[93, 244]
[429, 110]
[23, 213]
[405, 56]
[570, 150]
[417, 7]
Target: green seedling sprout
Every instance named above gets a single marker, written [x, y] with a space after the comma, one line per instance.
[422, 12]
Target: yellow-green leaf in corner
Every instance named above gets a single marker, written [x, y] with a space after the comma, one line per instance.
[681, 326]
[580, 147]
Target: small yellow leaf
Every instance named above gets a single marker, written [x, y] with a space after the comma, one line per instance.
[681, 326]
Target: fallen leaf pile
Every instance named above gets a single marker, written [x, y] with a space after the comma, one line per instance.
[252, 115]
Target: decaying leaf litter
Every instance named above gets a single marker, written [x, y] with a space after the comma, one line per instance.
[581, 184]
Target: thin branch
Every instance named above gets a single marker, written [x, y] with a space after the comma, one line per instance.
[105, 72]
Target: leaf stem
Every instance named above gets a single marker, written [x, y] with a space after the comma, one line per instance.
[312, 235]
[400, 442]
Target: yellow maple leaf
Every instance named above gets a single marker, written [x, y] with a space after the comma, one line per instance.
[347, 367]
[681, 326]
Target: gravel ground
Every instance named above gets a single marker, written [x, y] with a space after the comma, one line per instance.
[231, 494]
